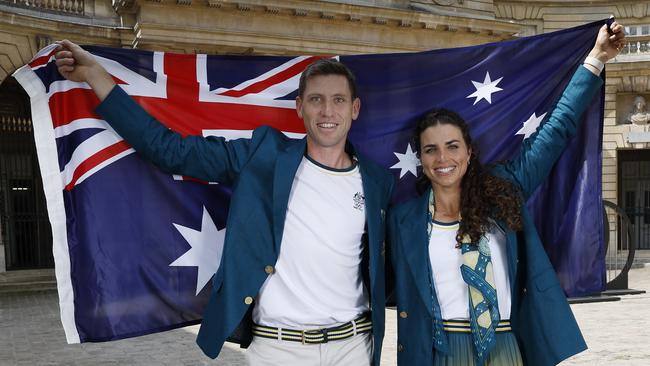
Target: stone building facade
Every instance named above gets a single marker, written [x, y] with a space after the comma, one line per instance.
[291, 27]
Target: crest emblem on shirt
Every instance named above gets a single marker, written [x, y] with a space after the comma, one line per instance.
[359, 201]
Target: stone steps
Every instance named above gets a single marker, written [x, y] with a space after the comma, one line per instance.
[27, 280]
[619, 266]
[641, 259]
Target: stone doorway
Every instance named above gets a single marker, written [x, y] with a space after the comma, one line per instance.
[25, 232]
[634, 192]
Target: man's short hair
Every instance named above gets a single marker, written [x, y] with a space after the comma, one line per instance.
[327, 66]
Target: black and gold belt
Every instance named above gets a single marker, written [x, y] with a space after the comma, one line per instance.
[362, 324]
[464, 327]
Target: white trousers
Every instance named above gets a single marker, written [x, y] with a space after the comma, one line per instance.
[354, 351]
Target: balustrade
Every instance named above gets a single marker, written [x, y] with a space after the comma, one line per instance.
[61, 6]
[636, 47]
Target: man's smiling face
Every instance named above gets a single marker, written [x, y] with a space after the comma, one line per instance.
[327, 109]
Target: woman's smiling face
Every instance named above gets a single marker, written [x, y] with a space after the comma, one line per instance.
[444, 155]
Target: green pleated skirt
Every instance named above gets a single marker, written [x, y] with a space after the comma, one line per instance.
[461, 351]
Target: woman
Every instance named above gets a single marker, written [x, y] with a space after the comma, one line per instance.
[473, 283]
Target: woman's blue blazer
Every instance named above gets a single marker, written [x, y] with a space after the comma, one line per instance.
[541, 318]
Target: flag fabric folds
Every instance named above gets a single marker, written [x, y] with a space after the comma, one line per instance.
[135, 248]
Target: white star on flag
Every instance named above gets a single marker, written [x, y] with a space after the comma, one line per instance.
[205, 252]
[485, 89]
[530, 126]
[408, 162]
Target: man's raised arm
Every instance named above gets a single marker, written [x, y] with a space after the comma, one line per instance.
[210, 159]
[77, 64]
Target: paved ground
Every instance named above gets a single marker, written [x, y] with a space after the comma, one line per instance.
[2, 257]
[31, 334]
[617, 333]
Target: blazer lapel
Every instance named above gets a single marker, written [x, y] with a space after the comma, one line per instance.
[513, 262]
[415, 245]
[286, 166]
[511, 253]
[374, 218]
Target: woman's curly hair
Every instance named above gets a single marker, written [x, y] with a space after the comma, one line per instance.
[483, 195]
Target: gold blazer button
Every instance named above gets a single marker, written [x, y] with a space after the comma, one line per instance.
[248, 300]
[269, 269]
[403, 314]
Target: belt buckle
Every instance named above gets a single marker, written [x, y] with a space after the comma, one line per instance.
[322, 331]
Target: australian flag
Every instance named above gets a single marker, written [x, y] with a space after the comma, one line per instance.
[135, 248]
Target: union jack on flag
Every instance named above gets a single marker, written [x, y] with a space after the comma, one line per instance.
[135, 247]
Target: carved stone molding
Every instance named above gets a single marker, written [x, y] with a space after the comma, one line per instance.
[15, 51]
[42, 41]
[539, 9]
[331, 11]
[447, 2]
[629, 77]
[300, 12]
[637, 84]
[21, 36]
[301, 26]
[518, 11]
[639, 9]
[441, 2]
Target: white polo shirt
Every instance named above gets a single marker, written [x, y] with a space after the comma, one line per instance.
[317, 281]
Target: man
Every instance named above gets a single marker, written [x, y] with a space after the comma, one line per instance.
[305, 231]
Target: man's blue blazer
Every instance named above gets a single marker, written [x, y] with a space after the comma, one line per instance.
[260, 171]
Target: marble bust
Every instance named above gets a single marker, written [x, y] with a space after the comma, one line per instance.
[639, 114]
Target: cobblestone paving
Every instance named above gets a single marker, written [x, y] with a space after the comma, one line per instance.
[31, 334]
[617, 332]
